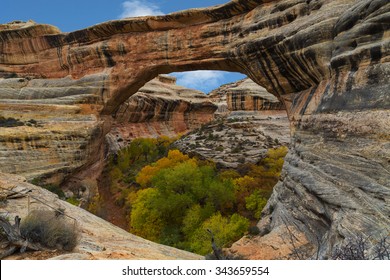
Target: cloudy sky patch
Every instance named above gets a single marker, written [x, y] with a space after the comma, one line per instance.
[135, 8]
[204, 80]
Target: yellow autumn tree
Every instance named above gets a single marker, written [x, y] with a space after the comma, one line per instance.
[173, 158]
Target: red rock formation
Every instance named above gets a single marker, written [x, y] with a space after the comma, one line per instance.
[244, 95]
[326, 60]
[161, 108]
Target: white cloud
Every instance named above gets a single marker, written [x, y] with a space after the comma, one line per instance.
[202, 79]
[135, 8]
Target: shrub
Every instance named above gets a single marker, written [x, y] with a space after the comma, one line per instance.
[253, 230]
[358, 248]
[237, 149]
[219, 149]
[73, 200]
[50, 229]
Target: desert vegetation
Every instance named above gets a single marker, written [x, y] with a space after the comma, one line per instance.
[178, 200]
[40, 230]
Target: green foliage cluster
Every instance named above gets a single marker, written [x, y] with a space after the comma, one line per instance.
[185, 198]
[124, 167]
[174, 199]
[12, 122]
[73, 200]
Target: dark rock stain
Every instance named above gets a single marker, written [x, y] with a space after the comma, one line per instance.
[108, 56]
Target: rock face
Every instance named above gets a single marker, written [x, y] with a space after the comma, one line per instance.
[326, 60]
[243, 133]
[54, 136]
[241, 137]
[161, 107]
[244, 95]
[98, 238]
[249, 96]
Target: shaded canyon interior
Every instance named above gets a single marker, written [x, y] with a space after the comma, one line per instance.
[326, 60]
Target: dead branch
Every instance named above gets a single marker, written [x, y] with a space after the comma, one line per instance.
[15, 239]
[216, 250]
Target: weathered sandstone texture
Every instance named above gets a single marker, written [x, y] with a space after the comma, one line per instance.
[54, 136]
[249, 96]
[99, 239]
[326, 60]
[241, 137]
[244, 95]
[160, 107]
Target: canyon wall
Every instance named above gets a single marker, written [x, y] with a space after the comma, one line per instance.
[244, 95]
[160, 108]
[326, 60]
[249, 96]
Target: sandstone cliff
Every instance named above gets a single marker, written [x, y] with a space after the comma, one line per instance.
[249, 96]
[244, 95]
[159, 108]
[326, 60]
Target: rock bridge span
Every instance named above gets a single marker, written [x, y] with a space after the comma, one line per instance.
[328, 61]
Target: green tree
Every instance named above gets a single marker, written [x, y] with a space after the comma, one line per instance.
[146, 220]
[229, 174]
[195, 216]
[255, 203]
[226, 231]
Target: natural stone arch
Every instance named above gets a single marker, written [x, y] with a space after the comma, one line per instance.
[136, 50]
[319, 57]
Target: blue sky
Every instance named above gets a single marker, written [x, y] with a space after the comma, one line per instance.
[70, 15]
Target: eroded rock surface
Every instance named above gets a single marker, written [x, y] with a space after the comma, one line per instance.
[326, 60]
[241, 137]
[53, 136]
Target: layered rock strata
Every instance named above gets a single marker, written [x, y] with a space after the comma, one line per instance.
[244, 95]
[326, 60]
[57, 129]
[249, 96]
[159, 108]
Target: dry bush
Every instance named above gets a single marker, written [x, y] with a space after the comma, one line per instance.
[361, 248]
[50, 230]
